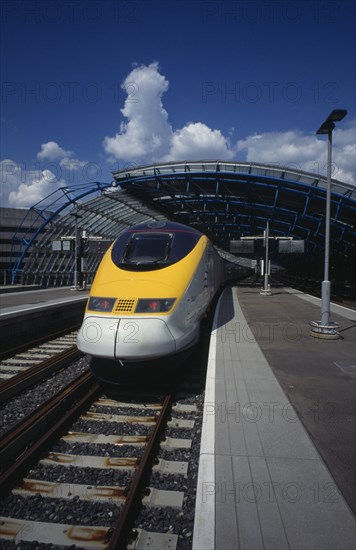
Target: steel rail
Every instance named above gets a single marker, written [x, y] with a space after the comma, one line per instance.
[30, 376]
[38, 341]
[134, 495]
[21, 444]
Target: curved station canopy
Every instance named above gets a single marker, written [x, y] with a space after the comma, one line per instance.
[225, 200]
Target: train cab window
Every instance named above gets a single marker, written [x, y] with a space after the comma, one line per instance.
[142, 250]
[151, 248]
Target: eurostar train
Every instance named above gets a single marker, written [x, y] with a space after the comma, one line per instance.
[149, 296]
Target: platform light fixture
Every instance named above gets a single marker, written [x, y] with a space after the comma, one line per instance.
[76, 247]
[325, 328]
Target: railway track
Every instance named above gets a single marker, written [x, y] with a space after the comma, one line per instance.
[18, 444]
[27, 345]
[20, 370]
[84, 461]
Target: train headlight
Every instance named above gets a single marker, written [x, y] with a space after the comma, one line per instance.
[101, 304]
[153, 305]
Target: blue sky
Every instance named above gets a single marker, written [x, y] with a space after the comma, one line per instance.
[89, 87]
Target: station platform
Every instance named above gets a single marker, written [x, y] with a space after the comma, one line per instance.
[15, 303]
[277, 461]
[33, 314]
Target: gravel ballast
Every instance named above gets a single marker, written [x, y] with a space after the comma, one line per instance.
[80, 512]
[27, 401]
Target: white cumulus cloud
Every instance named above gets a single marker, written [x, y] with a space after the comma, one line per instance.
[304, 152]
[344, 154]
[10, 177]
[52, 152]
[24, 188]
[282, 147]
[198, 141]
[147, 135]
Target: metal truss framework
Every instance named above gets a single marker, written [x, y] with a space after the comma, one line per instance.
[229, 200]
[105, 216]
[226, 200]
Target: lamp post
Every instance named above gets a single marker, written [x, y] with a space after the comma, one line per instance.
[266, 290]
[76, 249]
[325, 328]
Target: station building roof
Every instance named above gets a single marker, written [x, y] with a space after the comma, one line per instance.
[228, 200]
[225, 200]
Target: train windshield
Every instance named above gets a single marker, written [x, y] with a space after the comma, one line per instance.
[151, 248]
[146, 250]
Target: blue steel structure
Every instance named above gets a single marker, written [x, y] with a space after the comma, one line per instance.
[47, 210]
[226, 200]
[233, 199]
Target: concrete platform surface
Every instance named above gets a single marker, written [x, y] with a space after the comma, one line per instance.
[16, 302]
[277, 468]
